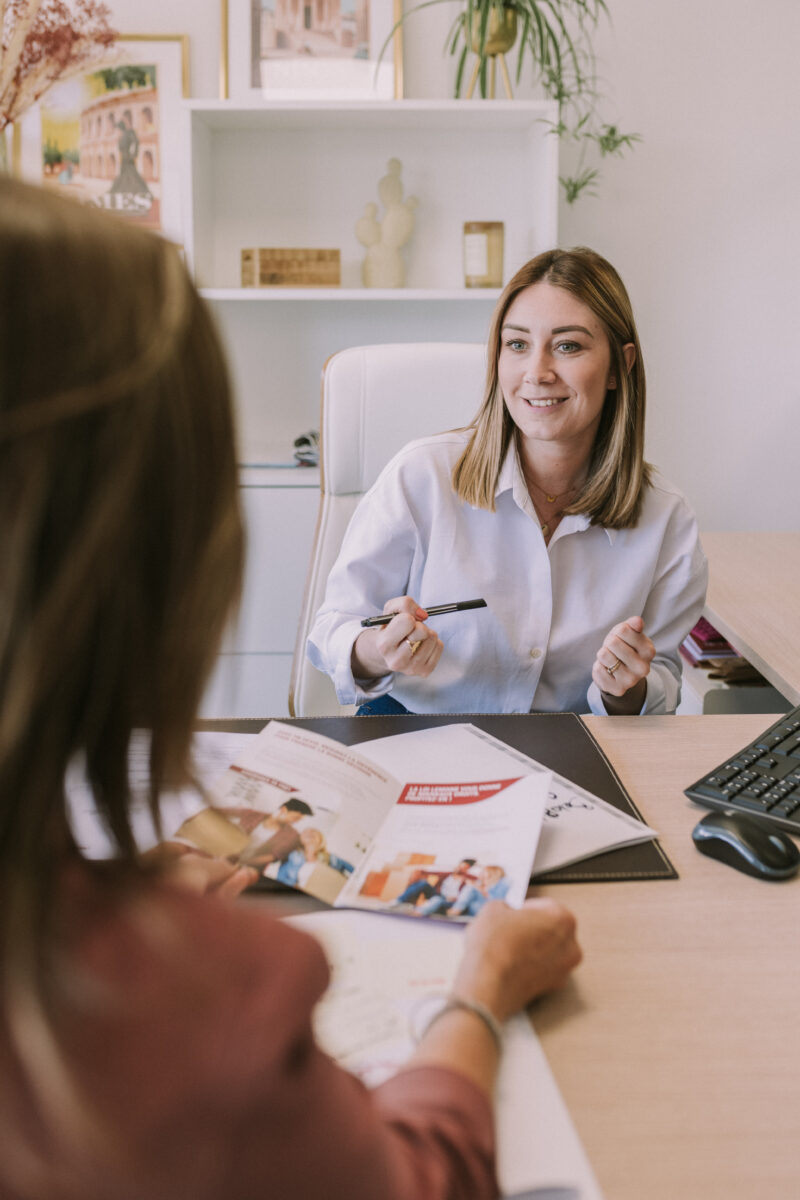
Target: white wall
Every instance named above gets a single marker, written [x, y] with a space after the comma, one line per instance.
[701, 220]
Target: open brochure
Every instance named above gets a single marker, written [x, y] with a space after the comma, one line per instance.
[323, 818]
[359, 828]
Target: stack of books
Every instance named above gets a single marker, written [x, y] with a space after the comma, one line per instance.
[705, 644]
[706, 648]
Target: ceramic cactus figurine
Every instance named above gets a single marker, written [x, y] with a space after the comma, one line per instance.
[383, 265]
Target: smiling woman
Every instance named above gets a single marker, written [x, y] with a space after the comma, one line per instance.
[555, 379]
[589, 561]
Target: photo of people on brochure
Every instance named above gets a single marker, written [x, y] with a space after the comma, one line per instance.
[434, 890]
[300, 842]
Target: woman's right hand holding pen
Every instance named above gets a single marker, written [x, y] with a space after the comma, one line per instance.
[406, 646]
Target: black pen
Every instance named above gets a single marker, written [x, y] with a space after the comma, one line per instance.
[458, 606]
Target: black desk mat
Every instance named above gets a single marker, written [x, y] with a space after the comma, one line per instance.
[558, 740]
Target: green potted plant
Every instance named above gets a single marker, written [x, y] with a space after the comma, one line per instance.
[553, 39]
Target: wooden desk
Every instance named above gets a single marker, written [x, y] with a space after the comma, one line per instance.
[754, 582]
[677, 1047]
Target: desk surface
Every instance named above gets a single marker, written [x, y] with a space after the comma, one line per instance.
[676, 1046]
[754, 582]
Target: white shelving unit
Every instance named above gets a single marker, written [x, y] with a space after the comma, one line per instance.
[252, 673]
[300, 174]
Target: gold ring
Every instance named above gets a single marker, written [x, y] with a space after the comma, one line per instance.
[414, 646]
[614, 667]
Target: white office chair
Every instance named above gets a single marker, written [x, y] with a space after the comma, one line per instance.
[375, 399]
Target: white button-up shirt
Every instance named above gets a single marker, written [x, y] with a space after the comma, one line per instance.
[549, 607]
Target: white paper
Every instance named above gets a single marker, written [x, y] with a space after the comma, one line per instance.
[382, 969]
[576, 824]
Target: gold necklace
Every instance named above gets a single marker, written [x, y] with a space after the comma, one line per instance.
[550, 499]
[545, 525]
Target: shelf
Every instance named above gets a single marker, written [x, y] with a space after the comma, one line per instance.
[302, 174]
[702, 694]
[428, 295]
[429, 116]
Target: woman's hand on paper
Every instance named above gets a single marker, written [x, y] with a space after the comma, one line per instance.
[512, 956]
[193, 871]
[406, 646]
[622, 665]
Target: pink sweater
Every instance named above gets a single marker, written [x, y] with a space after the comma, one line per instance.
[191, 1034]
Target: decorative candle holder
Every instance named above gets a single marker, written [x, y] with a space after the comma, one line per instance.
[483, 254]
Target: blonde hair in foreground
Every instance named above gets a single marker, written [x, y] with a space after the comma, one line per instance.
[612, 494]
[121, 547]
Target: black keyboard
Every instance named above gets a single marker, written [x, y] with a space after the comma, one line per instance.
[762, 779]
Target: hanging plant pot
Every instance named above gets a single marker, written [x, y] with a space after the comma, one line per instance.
[501, 32]
[491, 34]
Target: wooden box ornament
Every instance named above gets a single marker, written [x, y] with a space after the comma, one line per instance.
[299, 267]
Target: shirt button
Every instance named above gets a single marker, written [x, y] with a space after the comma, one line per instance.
[536, 652]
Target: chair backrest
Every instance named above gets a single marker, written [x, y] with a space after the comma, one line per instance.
[375, 399]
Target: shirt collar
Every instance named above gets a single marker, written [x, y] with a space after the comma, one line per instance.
[512, 480]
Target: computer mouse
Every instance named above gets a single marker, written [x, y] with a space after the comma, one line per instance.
[748, 844]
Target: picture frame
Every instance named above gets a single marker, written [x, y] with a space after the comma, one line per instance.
[282, 50]
[111, 136]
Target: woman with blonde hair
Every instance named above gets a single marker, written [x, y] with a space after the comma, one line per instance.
[588, 559]
[157, 1042]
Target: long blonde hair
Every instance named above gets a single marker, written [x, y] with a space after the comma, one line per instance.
[612, 493]
[120, 541]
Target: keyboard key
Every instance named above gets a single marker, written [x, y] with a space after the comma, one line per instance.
[769, 741]
[705, 789]
[745, 758]
[784, 809]
[755, 804]
[723, 776]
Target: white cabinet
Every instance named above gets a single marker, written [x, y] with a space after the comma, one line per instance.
[300, 174]
[252, 673]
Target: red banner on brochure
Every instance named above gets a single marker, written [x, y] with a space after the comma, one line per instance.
[453, 793]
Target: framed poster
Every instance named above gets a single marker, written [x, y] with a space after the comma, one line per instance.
[111, 136]
[311, 50]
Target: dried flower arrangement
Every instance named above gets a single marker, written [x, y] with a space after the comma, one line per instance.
[42, 41]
